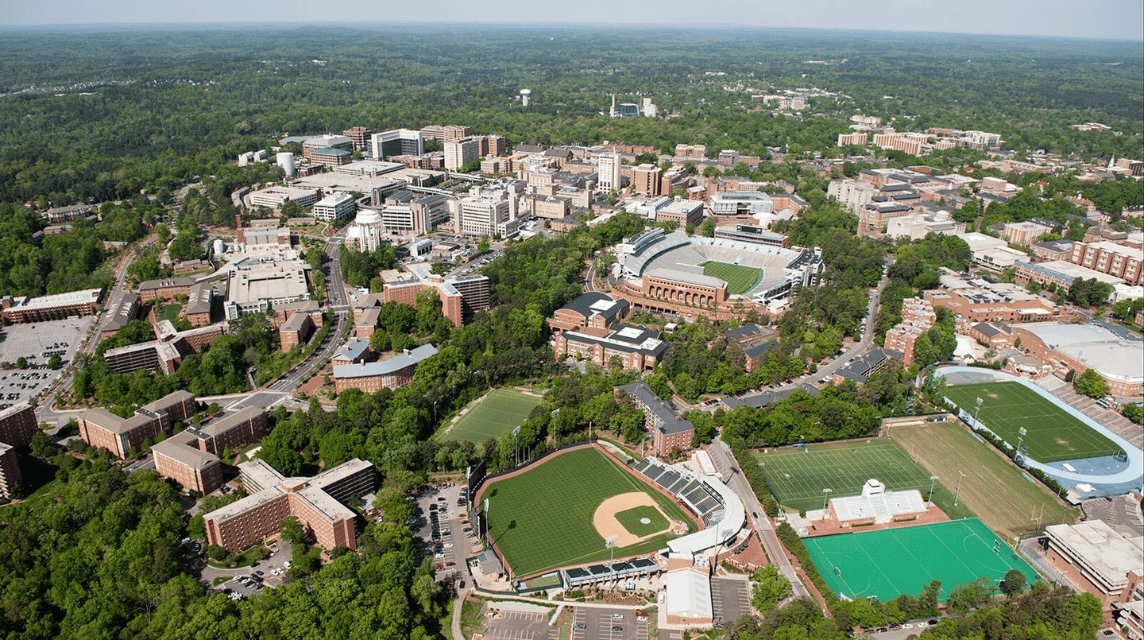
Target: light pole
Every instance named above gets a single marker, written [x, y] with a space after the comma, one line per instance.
[826, 497]
[932, 479]
[957, 495]
[975, 412]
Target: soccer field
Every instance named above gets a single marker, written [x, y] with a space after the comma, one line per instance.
[1052, 434]
[1007, 499]
[542, 519]
[888, 563]
[739, 279]
[494, 415]
[797, 478]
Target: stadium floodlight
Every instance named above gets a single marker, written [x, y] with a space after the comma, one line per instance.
[826, 497]
[932, 479]
[958, 494]
[976, 424]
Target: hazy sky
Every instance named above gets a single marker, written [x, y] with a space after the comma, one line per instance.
[1107, 19]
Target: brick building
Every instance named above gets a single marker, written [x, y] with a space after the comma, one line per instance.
[389, 374]
[59, 306]
[1108, 257]
[18, 424]
[668, 431]
[917, 318]
[10, 476]
[190, 457]
[165, 289]
[319, 504]
[101, 428]
[295, 331]
[637, 348]
[1079, 347]
[1098, 560]
[591, 313]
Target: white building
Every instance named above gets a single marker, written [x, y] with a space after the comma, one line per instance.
[335, 206]
[740, 203]
[482, 215]
[397, 142]
[609, 172]
[854, 195]
[275, 197]
[459, 152]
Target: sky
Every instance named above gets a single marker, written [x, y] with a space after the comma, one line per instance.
[1104, 19]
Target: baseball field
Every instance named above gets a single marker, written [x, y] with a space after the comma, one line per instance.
[549, 516]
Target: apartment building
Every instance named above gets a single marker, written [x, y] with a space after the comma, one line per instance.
[608, 172]
[646, 179]
[295, 331]
[101, 428]
[179, 459]
[460, 152]
[319, 504]
[667, 429]
[918, 317]
[1119, 260]
[18, 424]
[58, 306]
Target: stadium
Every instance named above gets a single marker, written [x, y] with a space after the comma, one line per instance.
[1081, 454]
[715, 277]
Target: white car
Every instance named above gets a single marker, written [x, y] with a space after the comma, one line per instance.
[448, 545]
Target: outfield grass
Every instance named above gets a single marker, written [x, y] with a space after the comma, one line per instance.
[1052, 434]
[496, 414]
[797, 478]
[739, 279]
[1005, 498]
[631, 519]
[542, 519]
[888, 563]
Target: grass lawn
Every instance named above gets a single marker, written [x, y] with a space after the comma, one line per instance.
[1005, 498]
[739, 279]
[169, 311]
[797, 478]
[1052, 434]
[542, 519]
[632, 519]
[891, 562]
[494, 415]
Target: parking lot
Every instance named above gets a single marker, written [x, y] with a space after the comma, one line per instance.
[36, 343]
[442, 529]
[248, 581]
[730, 598]
[608, 624]
[518, 625]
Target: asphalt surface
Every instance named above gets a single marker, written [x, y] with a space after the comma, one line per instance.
[756, 516]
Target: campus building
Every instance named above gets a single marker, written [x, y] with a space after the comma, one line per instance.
[165, 289]
[59, 306]
[100, 428]
[591, 313]
[918, 317]
[319, 504]
[17, 426]
[460, 297]
[295, 331]
[637, 348]
[190, 457]
[1098, 560]
[10, 476]
[388, 374]
[1079, 347]
[668, 431]
[166, 352]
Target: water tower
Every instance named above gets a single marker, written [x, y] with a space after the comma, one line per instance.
[524, 93]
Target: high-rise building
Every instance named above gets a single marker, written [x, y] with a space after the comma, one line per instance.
[645, 179]
[398, 142]
[608, 178]
[460, 151]
[455, 132]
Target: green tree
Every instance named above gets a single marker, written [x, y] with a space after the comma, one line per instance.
[769, 588]
[1013, 582]
[292, 530]
[1091, 384]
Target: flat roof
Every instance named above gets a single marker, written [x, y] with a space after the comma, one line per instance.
[1103, 550]
[70, 298]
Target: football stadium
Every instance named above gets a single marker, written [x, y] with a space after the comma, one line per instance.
[675, 271]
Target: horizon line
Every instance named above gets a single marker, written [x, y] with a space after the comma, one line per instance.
[192, 24]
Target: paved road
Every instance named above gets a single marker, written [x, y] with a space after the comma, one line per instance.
[725, 461]
[45, 411]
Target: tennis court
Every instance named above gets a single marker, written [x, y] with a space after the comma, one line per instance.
[885, 564]
[1051, 433]
[797, 478]
[494, 415]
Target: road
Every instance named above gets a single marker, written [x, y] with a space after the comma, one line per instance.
[45, 411]
[722, 457]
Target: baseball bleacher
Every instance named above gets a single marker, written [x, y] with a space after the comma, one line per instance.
[696, 494]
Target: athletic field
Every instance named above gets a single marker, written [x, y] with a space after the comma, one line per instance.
[1006, 498]
[1052, 434]
[739, 279]
[499, 412]
[885, 564]
[797, 478]
[542, 519]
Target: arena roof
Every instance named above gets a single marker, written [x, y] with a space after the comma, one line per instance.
[1095, 346]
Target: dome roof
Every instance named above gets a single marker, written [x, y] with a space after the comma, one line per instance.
[367, 216]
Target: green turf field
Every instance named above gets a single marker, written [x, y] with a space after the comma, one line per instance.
[888, 563]
[632, 521]
[542, 519]
[739, 279]
[1052, 434]
[797, 478]
[494, 415]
